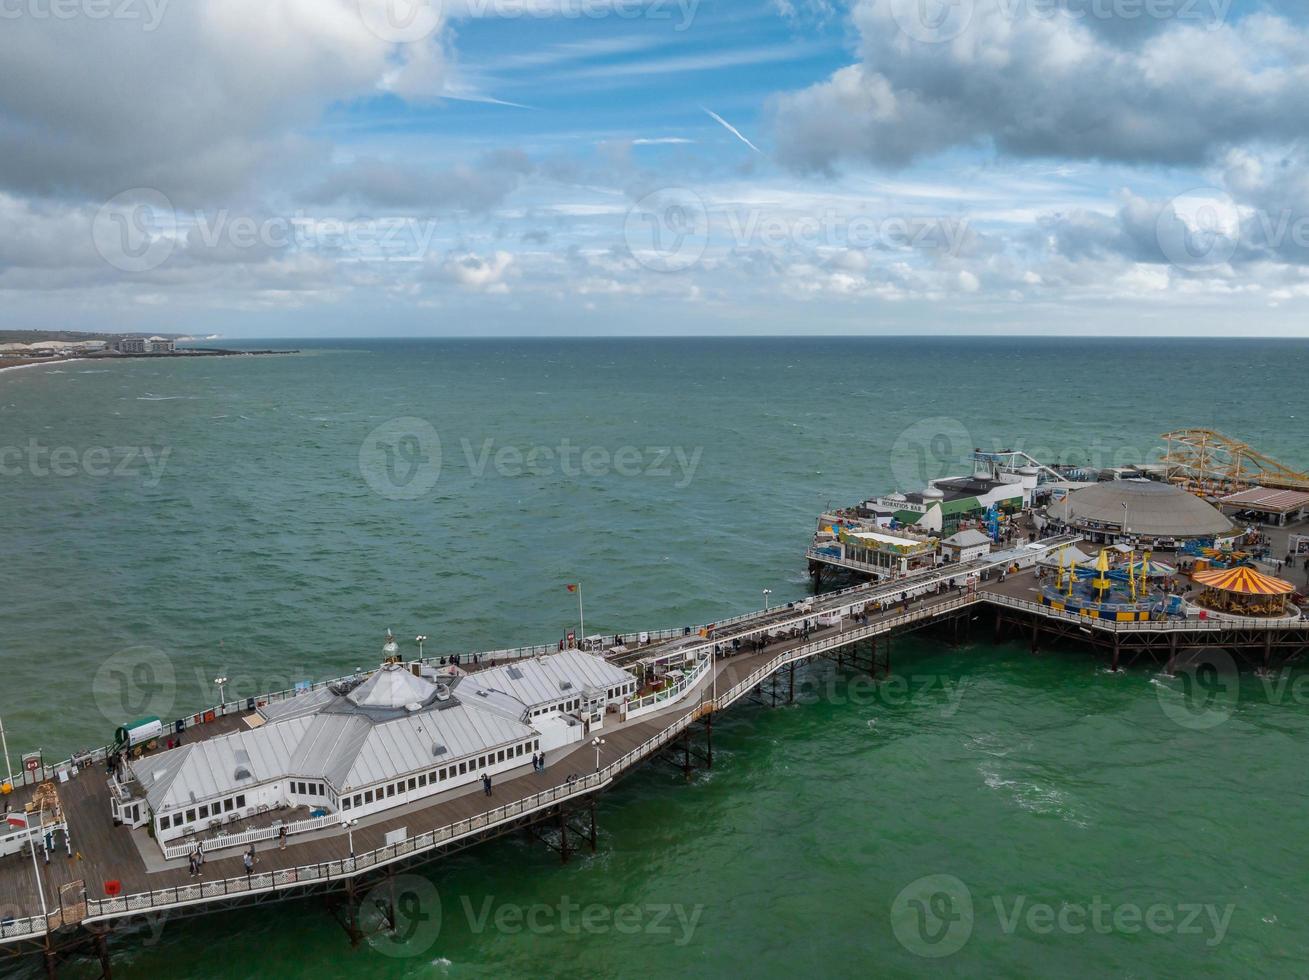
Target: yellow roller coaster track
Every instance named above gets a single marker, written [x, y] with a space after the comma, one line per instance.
[1202, 459]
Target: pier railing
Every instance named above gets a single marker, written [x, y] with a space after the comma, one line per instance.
[1189, 625]
[221, 843]
[909, 582]
[200, 892]
[652, 702]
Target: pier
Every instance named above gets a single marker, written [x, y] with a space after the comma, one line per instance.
[66, 906]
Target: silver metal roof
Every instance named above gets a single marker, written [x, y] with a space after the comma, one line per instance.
[392, 686]
[967, 538]
[1153, 508]
[322, 735]
[545, 680]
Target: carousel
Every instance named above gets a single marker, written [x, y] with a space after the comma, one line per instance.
[1243, 591]
[1126, 591]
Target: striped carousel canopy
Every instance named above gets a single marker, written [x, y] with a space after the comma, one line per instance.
[1243, 580]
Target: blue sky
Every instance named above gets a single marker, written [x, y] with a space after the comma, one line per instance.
[591, 167]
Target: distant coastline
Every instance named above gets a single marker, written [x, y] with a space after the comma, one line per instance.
[17, 363]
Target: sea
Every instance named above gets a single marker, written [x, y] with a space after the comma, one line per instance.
[986, 812]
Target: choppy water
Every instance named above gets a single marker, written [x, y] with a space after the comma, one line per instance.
[242, 538]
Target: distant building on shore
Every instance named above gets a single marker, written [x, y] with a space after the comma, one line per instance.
[141, 345]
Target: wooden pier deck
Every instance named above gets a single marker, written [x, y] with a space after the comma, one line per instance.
[322, 860]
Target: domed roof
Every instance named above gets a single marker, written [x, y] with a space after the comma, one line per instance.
[1154, 509]
[392, 686]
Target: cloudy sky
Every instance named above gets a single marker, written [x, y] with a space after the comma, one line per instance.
[521, 167]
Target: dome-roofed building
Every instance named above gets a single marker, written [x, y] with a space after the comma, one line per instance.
[1144, 511]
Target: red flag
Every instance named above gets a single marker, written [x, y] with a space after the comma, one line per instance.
[572, 587]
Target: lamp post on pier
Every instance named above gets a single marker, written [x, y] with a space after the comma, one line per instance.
[349, 826]
[598, 742]
[222, 684]
[420, 640]
[767, 593]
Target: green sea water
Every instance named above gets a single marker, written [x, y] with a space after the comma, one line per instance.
[989, 812]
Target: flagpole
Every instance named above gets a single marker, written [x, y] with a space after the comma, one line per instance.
[4, 743]
[581, 620]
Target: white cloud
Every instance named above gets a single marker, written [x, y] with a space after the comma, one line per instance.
[1140, 91]
[485, 274]
[217, 93]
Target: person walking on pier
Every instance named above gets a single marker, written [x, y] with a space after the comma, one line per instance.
[281, 837]
[486, 784]
[249, 859]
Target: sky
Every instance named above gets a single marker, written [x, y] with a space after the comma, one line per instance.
[319, 168]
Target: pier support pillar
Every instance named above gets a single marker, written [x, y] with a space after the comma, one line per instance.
[90, 942]
[1117, 651]
[564, 849]
[709, 731]
[345, 909]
